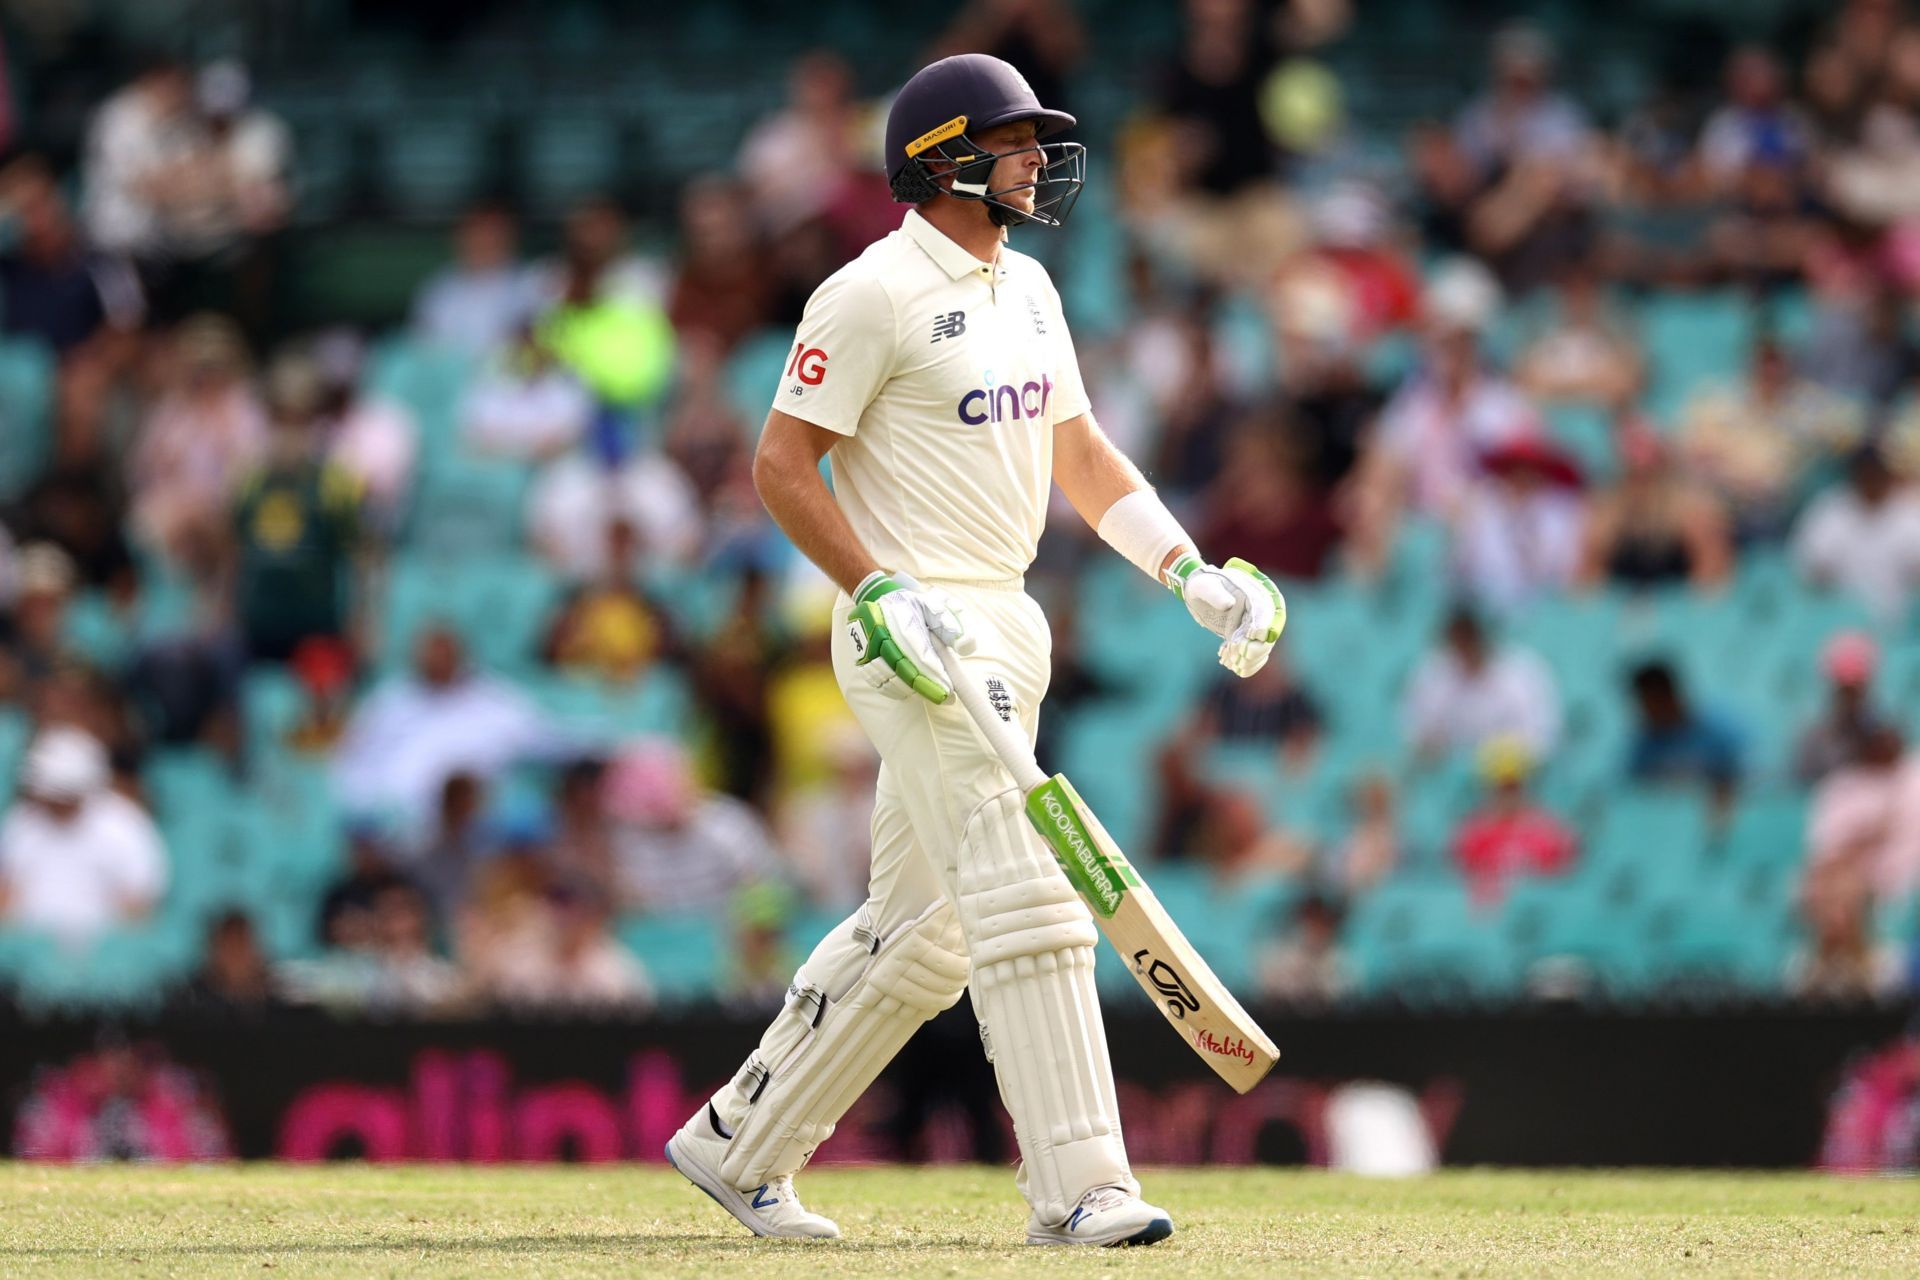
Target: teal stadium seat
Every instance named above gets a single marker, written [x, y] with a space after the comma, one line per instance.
[683, 954]
[26, 413]
[469, 506]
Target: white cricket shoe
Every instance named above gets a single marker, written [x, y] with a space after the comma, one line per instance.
[1106, 1216]
[770, 1209]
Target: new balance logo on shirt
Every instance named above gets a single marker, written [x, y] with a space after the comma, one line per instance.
[950, 325]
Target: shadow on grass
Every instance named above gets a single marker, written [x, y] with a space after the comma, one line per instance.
[638, 1242]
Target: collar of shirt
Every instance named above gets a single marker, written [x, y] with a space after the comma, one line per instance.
[947, 254]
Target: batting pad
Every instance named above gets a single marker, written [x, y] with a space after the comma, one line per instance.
[1032, 945]
[851, 1007]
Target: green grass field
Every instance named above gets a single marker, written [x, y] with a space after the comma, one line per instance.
[947, 1222]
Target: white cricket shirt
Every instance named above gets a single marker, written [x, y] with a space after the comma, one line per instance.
[946, 377]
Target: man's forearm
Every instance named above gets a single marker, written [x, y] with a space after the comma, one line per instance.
[1094, 475]
[802, 505]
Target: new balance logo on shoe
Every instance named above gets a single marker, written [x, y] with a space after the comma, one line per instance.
[761, 1200]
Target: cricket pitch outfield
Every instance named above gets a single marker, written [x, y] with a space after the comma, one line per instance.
[965, 1221]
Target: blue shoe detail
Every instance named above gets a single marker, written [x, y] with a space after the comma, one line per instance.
[761, 1203]
[1157, 1230]
[1074, 1221]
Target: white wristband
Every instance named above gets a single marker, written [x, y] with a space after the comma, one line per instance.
[1140, 527]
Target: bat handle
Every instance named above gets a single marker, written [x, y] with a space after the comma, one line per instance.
[1005, 738]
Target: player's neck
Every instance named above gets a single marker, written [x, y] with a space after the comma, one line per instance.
[968, 225]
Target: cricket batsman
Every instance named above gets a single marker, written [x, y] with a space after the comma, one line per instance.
[937, 374]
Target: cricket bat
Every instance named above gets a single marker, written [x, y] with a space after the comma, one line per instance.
[1169, 970]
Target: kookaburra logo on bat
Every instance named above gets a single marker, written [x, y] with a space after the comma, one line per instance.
[1168, 982]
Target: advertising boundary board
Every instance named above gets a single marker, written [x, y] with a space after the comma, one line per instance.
[1735, 1087]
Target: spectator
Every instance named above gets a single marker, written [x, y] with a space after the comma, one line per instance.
[43, 582]
[1334, 405]
[407, 974]
[233, 975]
[1585, 356]
[140, 147]
[1509, 835]
[1519, 533]
[345, 919]
[1043, 38]
[232, 198]
[478, 302]
[1264, 504]
[1354, 284]
[525, 406]
[323, 666]
[1520, 118]
[1678, 743]
[1654, 527]
[1862, 350]
[1238, 845]
[1842, 960]
[1425, 452]
[1755, 444]
[609, 628]
[725, 285]
[594, 240]
[56, 290]
[1228, 221]
[733, 674]
[1466, 693]
[370, 437]
[1863, 538]
[576, 498]
[1371, 849]
[794, 161]
[621, 348]
[206, 430]
[1270, 707]
[568, 960]
[582, 847]
[295, 527]
[679, 848]
[77, 858]
[1182, 372]
[1861, 828]
[826, 829]
[461, 841]
[1755, 125]
[1835, 740]
[388, 968]
[410, 735]
[762, 965]
[1526, 146]
[1306, 965]
[80, 508]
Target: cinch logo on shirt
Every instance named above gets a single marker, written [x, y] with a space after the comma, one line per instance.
[1006, 402]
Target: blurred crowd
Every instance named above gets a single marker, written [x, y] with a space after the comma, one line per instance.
[1314, 357]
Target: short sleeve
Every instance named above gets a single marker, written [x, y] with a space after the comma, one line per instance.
[1069, 391]
[842, 354]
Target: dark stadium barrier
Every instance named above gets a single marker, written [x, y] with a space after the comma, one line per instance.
[1540, 1087]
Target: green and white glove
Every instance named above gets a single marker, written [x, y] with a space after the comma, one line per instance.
[893, 625]
[1236, 602]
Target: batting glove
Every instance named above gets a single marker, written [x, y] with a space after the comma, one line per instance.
[1236, 602]
[893, 625]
